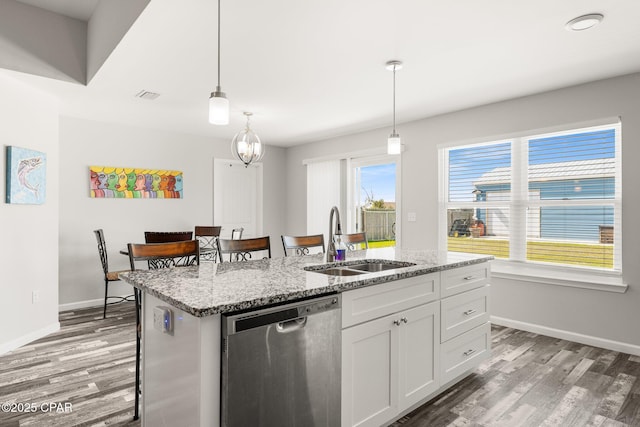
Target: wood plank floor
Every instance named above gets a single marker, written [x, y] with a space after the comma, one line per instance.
[531, 380]
[89, 363]
[534, 380]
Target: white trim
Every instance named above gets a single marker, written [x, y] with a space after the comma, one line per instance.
[549, 275]
[378, 151]
[568, 335]
[496, 139]
[30, 337]
[98, 302]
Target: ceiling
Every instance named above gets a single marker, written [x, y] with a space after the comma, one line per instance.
[314, 69]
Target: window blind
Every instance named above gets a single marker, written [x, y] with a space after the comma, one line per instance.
[551, 198]
[323, 192]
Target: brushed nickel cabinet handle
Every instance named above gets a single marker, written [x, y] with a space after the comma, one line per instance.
[469, 312]
[468, 352]
[468, 277]
[396, 322]
[404, 320]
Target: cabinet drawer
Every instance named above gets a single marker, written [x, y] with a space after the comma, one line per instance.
[463, 312]
[465, 352]
[462, 279]
[371, 302]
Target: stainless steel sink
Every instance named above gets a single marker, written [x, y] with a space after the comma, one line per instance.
[374, 266]
[367, 266]
[341, 271]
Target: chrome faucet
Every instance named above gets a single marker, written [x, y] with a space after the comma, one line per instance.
[331, 247]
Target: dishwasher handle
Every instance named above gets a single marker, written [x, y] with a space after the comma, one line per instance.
[286, 317]
[291, 325]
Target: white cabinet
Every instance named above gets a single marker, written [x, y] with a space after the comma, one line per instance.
[465, 331]
[390, 348]
[388, 364]
[418, 360]
[404, 341]
[464, 312]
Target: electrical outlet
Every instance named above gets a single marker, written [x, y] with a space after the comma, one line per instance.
[163, 319]
[35, 297]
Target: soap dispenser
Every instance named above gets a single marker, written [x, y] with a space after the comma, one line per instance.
[341, 249]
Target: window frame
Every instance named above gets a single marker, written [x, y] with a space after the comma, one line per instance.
[517, 266]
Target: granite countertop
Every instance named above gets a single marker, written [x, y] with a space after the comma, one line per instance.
[212, 288]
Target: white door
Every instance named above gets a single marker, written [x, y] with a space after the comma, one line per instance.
[370, 373]
[418, 357]
[373, 179]
[237, 197]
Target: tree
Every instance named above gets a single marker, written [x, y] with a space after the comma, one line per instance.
[370, 202]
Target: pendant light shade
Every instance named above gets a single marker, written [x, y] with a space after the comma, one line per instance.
[394, 144]
[246, 145]
[218, 108]
[218, 102]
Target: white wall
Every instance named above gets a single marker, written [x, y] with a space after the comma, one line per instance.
[592, 313]
[28, 233]
[84, 143]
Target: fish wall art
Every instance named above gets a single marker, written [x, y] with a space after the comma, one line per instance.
[109, 182]
[26, 176]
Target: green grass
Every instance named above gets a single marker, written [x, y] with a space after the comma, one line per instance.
[585, 254]
[381, 243]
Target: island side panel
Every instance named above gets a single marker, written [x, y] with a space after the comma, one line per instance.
[180, 372]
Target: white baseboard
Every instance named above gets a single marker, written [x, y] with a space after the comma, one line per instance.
[99, 302]
[81, 304]
[30, 337]
[568, 335]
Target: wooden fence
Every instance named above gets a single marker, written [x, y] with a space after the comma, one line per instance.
[379, 225]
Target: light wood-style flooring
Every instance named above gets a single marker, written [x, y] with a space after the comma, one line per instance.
[530, 380]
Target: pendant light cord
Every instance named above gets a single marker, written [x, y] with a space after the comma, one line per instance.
[394, 99]
[218, 89]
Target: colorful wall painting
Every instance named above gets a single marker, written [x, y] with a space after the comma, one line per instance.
[130, 183]
[26, 176]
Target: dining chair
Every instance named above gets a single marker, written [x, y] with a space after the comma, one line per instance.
[353, 239]
[299, 245]
[157, 255]
[241, 250]
[236, 233]
[109, 276]
[207, 236]
[167, 236]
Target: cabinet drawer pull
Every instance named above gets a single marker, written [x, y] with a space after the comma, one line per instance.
[396, 322]
[404, 320]
[468, 277]
[468, 352]
[469, 312]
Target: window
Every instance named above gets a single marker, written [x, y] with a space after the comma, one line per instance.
[553, 198]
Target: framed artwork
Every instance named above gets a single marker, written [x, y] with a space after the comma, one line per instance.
[134, 183]
[26, 176]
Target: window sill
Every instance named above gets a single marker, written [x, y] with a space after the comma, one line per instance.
[585, 279]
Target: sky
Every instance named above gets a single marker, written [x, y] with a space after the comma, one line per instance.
[379, 179]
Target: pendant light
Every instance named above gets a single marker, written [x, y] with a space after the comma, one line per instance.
[218, 102]
[246, 145]
[393, 143]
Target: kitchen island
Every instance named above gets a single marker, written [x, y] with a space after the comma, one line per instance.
[181, 369]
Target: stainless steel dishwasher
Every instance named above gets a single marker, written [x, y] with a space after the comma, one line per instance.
[281, 365]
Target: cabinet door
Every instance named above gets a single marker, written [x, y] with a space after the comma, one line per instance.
[419, 353]
[369, 373]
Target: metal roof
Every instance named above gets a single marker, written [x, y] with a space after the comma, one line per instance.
[579, 169]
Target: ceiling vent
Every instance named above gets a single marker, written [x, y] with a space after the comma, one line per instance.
[145, 94]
